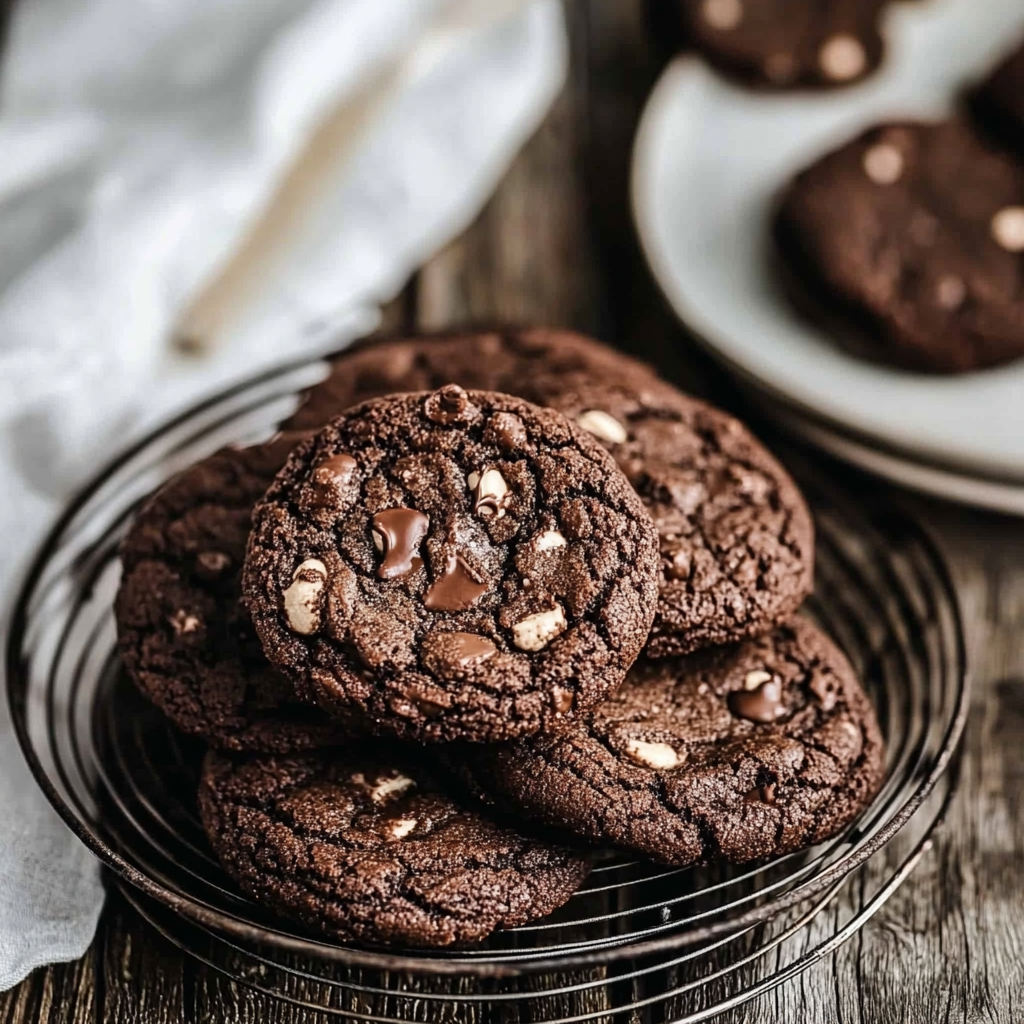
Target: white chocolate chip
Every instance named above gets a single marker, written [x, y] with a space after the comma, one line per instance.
[722, 14]
[491, 493]
[549, 539]
[302, 599]
[1008, 228]
[883, 163]
[752, 680]
[842, 58]
[402, 827]
[603, 425]
[383, 790]
[472, 480]
[183, 622]
[535, 632]
[950, 292]
[653, 755]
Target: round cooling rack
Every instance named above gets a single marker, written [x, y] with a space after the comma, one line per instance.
[655, 942]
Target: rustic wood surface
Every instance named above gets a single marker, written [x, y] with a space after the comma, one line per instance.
[556, 245]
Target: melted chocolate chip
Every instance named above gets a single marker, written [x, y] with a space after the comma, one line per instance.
[761, 794]
[763, 705]
[470, 649]
[455, 591]
[400, 531]
[506, 430]
[449, 405]
[328, 480]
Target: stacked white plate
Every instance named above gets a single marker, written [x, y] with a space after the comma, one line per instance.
[710, 159]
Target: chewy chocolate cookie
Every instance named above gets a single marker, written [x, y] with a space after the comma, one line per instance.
[459, 565]
[184, 637]
[917, 231]
[737, 540]
[512, 361]
[735, 753]
[998, 102]
[780, 44]
[735, 534]
[372, 849]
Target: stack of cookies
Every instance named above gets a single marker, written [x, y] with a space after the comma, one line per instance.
[489, 602]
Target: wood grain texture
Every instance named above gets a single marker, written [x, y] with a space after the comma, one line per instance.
[556, 245]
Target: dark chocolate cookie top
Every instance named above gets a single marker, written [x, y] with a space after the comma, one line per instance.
[781, 44]
[508, 360]
[460, 565]
[184, 637]
[735, 534]
[917, 230]
[735, 753]
[372, 849]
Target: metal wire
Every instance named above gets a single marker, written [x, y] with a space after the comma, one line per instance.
[656, 942]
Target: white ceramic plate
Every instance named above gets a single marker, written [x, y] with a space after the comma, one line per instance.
[709, 160]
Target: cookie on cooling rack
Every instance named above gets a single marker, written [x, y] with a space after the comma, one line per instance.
[184, 637]
[512, 361]
[456, 565]
[736, 537]
[780, 44]
[729, 754]
[917, 232]
[371, 848]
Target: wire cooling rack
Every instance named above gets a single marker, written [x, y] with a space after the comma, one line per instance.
[640, 942]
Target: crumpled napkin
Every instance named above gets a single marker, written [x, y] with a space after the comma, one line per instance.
[140, 139]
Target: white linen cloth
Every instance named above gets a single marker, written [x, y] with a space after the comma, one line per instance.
[138, 139]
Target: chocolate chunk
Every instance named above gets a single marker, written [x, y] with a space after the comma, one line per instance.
[397, 533]
[456, 590]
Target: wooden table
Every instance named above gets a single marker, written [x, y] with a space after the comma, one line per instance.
[555, 245]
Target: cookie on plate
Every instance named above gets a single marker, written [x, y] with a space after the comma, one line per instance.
[737, 539]
[184, 637]
[780, 44]
[371, 848]
[916, 232]
[509, 360]
[735, 753]
[998, 102]
[457, 565]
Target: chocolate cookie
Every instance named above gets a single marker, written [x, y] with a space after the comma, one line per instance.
[917, 232]
[184, 636]
[735, 534]
[780, 44]
[737, 540]
[507, 360]
[735, 753]
[373, 849]
[998, 102]
[460, 565]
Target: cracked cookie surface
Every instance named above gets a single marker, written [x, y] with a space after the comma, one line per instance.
[737, 539]
[737, 753]
[373, 850]
[184, 637]
[457, 565]
[916, 230]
